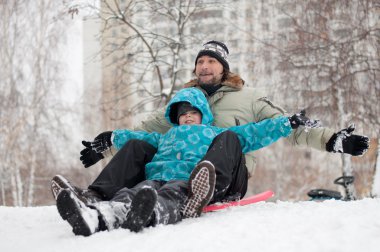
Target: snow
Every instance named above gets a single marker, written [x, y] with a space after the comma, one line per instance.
[265, 226]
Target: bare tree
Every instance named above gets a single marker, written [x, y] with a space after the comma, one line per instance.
[145, 48]
[375, 190]
[331, 62]
[30, 112]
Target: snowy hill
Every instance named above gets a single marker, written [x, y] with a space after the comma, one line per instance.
[281, 226]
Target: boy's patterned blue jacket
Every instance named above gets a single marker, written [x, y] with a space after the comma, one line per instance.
[182, 147]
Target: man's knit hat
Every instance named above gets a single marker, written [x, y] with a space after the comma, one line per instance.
[217, 50]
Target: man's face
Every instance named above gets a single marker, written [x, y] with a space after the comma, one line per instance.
[208, 70]
[190, 117]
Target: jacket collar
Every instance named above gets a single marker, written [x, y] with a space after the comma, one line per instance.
[233, 81]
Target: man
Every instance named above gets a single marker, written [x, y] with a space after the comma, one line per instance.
[232, 104]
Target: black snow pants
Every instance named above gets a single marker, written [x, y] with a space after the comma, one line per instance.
[127, 167]
[225, 152]
[171, 196]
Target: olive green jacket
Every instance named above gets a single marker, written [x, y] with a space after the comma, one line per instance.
[233, 104]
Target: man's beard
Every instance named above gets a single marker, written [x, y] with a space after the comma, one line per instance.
[214, 81]
[212, 85]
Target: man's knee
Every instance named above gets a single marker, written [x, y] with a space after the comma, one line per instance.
[138, 145]
[137, 142]
[229, 135]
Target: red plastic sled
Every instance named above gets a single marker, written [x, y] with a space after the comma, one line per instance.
[249, 200]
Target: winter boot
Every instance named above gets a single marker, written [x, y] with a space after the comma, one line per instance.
[87, 196]
[141, 210]
[201, 189]
[84, 220]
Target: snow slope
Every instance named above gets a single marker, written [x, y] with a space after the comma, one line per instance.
[281, 226]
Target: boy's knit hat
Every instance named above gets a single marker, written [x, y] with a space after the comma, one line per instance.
[181, 108]
[217, 50]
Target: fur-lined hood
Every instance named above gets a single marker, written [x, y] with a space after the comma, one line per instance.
[233, 80]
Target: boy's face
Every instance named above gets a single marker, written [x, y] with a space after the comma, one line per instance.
[190, 117]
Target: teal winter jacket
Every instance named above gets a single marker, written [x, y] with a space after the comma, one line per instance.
[183, 146]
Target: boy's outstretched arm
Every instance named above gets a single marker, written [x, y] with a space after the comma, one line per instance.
[254, 136]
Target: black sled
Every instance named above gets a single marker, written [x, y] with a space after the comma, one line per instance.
[324, 194]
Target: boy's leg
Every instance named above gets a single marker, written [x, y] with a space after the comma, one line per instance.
[117, 212]
[127, 194]
[225, 153]
[141, 201]
[171, 197]
[141, 209]
[151, 207]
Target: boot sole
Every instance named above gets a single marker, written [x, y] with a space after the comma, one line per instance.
[72, 210]
[59, 183]
[141, 210]
[201, 189]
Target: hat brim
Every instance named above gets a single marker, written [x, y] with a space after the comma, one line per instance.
[214, 55]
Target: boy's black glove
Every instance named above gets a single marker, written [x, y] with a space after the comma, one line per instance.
[102, 142]
[344, 142]
[89, 156]
[300, 118]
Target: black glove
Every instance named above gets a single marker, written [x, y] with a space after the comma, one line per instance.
[102, 142]
[300, 118]
[89, 156]
[345, 142]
